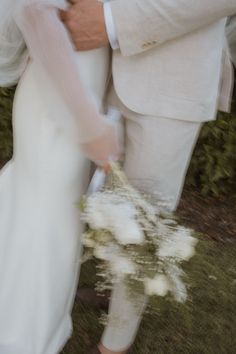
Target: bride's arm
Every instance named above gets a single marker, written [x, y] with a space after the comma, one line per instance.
[49, 45]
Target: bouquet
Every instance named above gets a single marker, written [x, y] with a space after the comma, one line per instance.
[137, 242]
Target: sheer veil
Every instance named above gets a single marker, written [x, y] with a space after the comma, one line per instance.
[13, 51]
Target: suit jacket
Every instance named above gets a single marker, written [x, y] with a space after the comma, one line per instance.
[173, 59]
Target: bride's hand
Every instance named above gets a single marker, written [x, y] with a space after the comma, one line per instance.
[105, 148]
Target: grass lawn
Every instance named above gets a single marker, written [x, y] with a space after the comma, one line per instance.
[206, 324]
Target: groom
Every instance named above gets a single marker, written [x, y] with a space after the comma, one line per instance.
[170, 73]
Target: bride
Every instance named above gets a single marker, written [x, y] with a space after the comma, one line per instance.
[56, 125]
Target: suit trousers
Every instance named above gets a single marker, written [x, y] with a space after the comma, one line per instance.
[157, 154]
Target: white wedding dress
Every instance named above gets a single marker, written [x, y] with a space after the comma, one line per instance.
[39, 188]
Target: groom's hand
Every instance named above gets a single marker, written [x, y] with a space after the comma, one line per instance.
[85, 22]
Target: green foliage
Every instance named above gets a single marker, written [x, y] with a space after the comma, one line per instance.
[213, 166]
[6, 96]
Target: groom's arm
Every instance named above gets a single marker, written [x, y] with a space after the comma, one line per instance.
[141, 24]
[144, 24]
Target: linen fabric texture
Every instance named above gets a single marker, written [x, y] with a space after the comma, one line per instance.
[171, 57]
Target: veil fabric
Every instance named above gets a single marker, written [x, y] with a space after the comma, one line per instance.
[13, 51]
[32, 28]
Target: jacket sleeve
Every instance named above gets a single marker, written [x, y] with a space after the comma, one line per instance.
[144, 24]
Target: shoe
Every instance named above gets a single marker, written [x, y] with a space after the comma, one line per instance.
[95, 350]
[89, 297]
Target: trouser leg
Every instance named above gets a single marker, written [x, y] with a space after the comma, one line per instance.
[158, 151]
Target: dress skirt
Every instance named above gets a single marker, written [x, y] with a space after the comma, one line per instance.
[40, 226]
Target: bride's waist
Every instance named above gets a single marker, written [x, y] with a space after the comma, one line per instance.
[93, 68]
[99, 58]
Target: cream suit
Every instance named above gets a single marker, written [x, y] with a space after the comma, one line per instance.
[172, 56]
[171, 73]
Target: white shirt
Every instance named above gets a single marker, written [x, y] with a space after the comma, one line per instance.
[110, 26]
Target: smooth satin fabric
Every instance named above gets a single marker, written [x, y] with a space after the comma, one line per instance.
[56, 109]
[40, 225]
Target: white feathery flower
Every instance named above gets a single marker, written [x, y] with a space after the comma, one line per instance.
[106, 253]
[179, 244]
[157, 286]
[95, 212]
[128, 232]
[102, 209]
[98, 221]
[187, 250]
[114, 213]
[122, 266]
[100, 252]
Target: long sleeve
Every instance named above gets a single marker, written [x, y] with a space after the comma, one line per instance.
[50, 47]
[154, 22]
